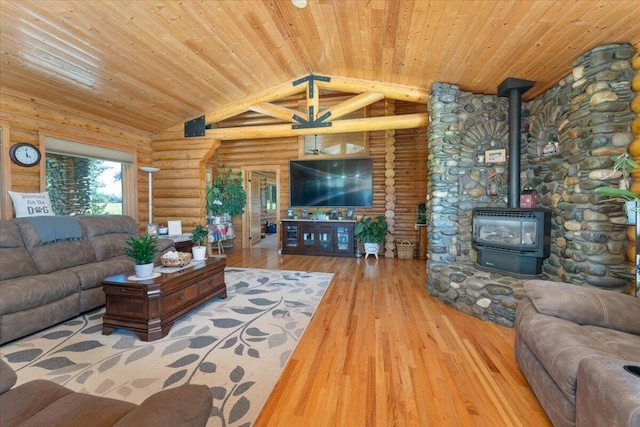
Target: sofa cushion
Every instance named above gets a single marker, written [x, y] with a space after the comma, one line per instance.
[157, 411]
[15, 260]
[92, 275]
[585, 306]
[81, 410]
[15, 409]
[108, 233]
[21, 323]
[54, 256]
[623, 345]
[27, 292]
[8, 377]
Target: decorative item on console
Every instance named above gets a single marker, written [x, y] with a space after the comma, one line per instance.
[320, 215]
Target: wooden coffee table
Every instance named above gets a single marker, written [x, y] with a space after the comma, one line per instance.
[149, 307]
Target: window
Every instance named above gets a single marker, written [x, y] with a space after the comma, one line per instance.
[272, 197]
[335, 144]
[88, 179]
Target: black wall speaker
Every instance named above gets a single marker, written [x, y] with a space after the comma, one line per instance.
[195, 127]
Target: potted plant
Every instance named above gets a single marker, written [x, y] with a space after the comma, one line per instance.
[371, 233]
[198, 237]
[625, 165]
[226, 195]
[143, 250]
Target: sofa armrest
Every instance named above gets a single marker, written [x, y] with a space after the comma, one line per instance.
[585, 306]
[606, 393]
[8, 377]
[187, 405]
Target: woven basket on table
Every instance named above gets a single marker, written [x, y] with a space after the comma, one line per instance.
[405, 249]
[183, 259]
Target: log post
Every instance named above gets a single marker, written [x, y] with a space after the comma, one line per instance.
[633, 232]
[390, 188]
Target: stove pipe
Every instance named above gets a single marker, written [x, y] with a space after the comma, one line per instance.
[514, 88]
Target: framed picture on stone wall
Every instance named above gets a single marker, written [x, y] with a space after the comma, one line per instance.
[495, 156]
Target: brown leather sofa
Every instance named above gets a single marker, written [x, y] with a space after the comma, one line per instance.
[44, 403]
[51, 268]
[578, 348]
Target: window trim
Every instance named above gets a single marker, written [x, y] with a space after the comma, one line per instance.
[129, 176]
[5, 171]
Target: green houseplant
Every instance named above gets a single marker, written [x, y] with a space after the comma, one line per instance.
[143, 250]
[625, 165]
[198, 236]
[226, 195]
[371, 233]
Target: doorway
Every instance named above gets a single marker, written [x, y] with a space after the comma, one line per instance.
[259, 228]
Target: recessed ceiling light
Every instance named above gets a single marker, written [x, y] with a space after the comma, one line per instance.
[300, 4]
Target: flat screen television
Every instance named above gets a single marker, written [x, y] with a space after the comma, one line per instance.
[331, 182]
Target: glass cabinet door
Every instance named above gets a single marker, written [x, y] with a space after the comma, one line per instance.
[308, 240]
[325, 239]
[291, 236]
[343, 238]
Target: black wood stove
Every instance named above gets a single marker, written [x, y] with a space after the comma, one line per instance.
[512, 239]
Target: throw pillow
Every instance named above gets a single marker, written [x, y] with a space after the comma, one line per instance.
[31, 204]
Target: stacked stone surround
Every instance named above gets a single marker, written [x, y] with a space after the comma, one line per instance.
[569, 134]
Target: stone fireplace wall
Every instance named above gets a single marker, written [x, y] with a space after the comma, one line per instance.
[569, 134]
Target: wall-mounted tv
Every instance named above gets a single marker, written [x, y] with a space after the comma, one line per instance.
[331, 182]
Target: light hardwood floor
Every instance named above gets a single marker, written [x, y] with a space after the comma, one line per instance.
[380, 351]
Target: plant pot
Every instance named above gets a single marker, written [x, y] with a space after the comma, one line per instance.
[199, 252]
[215, 219]
[144, 270]
[371, 249]
[631, 208]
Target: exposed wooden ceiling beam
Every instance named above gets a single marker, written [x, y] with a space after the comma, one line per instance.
[273, 110]
[353, 104]
[390, 90]
[278, 92]
[404, 121]
[333, 83]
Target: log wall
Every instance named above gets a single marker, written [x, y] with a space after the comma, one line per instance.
[179, 187]
[29, 120]
[409, 168]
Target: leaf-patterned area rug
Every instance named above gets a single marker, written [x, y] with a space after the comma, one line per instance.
[236, 346]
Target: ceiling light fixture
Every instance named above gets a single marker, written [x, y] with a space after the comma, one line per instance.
[300, 4]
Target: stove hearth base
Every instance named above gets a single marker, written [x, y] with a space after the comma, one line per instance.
[521, 265]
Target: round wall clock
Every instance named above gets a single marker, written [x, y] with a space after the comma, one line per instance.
[25, 154]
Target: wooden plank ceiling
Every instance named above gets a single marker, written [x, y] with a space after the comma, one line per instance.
[152, 65]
